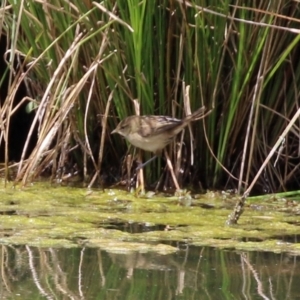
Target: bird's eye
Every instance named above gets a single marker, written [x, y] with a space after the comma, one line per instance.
[123, 126]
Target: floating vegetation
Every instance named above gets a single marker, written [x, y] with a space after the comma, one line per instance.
[43, 215]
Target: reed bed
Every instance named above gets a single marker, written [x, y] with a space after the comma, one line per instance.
[87, 65]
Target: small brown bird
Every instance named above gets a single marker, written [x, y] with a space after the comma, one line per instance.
[154, 133]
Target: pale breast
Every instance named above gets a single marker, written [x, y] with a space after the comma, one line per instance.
[150, 143]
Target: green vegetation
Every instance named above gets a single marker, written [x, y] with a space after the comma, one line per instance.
[86, 65]
[46, 216]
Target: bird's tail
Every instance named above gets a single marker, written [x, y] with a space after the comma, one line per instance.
[196, 115]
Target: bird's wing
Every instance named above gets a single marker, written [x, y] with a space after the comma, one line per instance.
[154, 125]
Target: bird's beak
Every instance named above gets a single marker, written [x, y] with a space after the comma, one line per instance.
[114, 131]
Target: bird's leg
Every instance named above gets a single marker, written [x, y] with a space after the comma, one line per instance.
[140, 166]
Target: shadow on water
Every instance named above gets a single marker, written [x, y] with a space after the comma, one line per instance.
[190, 273]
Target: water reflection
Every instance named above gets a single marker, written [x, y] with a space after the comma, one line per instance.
[191, 273]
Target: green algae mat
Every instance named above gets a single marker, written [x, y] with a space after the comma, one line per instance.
[117, 221]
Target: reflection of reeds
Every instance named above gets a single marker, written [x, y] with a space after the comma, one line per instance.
[85, 64]
[192, 272]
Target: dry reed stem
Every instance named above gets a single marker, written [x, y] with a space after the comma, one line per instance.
[228, 17]
[238, 210]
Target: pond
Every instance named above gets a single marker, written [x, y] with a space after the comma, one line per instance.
[72, 243]
[189, 273]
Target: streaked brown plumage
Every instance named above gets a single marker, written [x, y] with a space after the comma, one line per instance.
[154, 133]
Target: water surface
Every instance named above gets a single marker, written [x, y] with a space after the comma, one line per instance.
[71, 243]
[190, 273]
